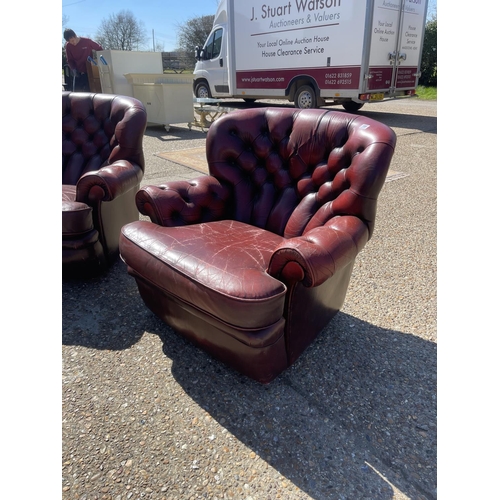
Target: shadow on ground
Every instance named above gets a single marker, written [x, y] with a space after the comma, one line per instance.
[421, 123]
[361, 397]
[175, 134]
[360, 403]
[102, 312]
[395, 120]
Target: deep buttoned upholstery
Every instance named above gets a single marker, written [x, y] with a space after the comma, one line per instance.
[102, 167]
[252, 261]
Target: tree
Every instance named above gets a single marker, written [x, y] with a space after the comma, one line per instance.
[65, 20]
[194, 32]
[121, 31]
[428, 66]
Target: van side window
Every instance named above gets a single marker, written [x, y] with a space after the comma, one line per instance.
[217, 43]
[213, 45]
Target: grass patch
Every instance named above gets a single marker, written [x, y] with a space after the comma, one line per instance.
[427, 93]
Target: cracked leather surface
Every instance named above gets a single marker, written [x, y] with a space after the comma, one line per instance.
[218, 267]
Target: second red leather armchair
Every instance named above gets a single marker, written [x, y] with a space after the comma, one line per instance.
[102, 167]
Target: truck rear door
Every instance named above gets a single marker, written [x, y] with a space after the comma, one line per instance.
[411, 37]
[396, 46]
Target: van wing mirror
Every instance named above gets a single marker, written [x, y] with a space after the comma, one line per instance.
[199, 54]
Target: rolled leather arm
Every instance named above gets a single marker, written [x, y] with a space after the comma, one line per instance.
[315, 256]
[108, 182]
[179, 203]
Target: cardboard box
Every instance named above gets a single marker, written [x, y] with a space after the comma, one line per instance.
[94, 78]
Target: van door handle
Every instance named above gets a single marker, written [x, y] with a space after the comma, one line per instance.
[221, 63]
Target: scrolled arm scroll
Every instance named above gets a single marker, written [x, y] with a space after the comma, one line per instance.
[108, 182]
[315, 256]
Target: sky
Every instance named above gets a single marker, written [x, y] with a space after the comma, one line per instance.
[159, 16]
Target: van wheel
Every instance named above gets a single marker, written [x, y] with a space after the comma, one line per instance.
[352, 106]
[202, 91]
[305, 97]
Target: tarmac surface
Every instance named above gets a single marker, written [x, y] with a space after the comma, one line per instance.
[146, 415]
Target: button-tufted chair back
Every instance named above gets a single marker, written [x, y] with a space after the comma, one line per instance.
[98, 130]
[289, 171]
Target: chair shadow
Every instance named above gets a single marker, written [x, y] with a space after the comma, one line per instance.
[361, 398]
[391, 119]
[102, 312]
[354, 417]
[174, 134]
[423, 123]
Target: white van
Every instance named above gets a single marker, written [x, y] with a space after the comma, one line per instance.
[313, 52]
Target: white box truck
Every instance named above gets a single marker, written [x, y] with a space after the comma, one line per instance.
[313, 52]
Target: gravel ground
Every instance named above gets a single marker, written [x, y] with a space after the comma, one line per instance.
[147, 415]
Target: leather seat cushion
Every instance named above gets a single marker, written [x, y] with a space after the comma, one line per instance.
[217, 267]
[76, 216]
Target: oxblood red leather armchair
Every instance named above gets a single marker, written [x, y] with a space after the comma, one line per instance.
[253, 261]
[102, 167]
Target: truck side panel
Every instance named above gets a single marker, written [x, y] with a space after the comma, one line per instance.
[277, 42]
[339, 77]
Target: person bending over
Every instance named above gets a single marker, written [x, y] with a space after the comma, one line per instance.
[78, 49]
